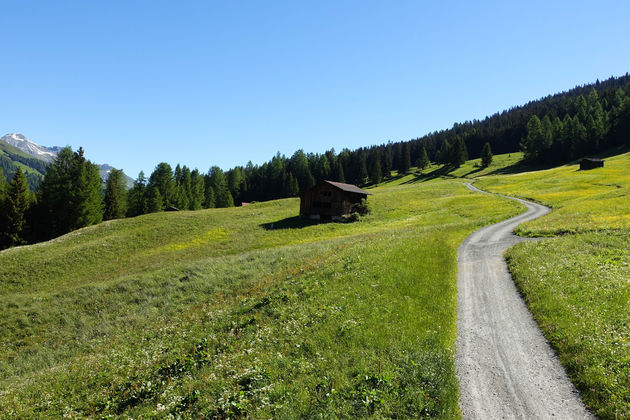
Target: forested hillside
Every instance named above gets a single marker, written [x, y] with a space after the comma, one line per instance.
[583, 120]
[554, 129]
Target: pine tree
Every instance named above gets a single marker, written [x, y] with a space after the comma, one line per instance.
[16, 203]
[218, 182]
[71, 193]
[338, 174]
[621, 122]
[405, 159]
[136, 200]
[423, 159]
[532, 143]
[292, 188]
[459, 152]
[596, 126]
[181, 189]
[547, 138]
[88, 189]
[444, 155]
[362, 173]
[375, 169]
[162, 178]
[115, 195]
[197, 190]
[236, 181]
[298, 165]
[322, 168]
[486, 155]
[386, 163]
[154, 200]
[209, 201]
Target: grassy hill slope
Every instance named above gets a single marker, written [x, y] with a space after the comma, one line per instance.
[577, 283]
[216, 313]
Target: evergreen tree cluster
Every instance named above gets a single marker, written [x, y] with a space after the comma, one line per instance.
[553, 129]
[591, 123]
[15, 204]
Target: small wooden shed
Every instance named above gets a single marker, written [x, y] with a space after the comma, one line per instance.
[330, 199]
[591, 163]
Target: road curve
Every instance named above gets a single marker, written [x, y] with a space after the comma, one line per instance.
[505, 366]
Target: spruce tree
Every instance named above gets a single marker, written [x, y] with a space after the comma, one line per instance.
[136, 200]
[154, 201]
[423, 159]
[532, 143]
[386, 164]
[445, 153]
[362, 172]
[486, 155]
[291, 186]
[375, 169]
[162, 178]
[71, 193]
[405, 159]
[338, 174]
[298, 165]
[197, 190]
[115, 195]
[459, 152]
[16, 203]
[88, 191]
[218, 182]
[209, 201]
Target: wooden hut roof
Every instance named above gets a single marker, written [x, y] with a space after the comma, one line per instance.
[347, 187]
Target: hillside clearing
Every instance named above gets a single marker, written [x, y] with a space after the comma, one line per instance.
[214, 313]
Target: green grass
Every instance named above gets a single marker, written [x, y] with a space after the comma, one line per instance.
[577, 284]
[500, 164]
[213, 313]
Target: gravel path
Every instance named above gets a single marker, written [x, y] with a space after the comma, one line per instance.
[506, 368]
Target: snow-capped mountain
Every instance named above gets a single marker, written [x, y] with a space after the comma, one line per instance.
[18, 140]
[48, 154]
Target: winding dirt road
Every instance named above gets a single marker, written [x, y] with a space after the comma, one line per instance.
[506, 368]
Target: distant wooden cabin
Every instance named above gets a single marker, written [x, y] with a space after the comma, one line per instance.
[590, 163]
[330, 199]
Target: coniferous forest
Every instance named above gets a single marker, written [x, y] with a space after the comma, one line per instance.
[552, 130]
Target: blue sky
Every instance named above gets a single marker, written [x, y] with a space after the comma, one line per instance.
[207, 83]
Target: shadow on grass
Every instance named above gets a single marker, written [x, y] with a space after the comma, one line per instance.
[386, 179]
[520, 166]
[442, 172]
[474, 171]
[295, 222]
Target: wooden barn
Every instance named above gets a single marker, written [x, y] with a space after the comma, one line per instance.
[330, 199]
[590, 163]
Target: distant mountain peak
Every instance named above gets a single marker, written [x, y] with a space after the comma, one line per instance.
[27, 146]
[48, 154]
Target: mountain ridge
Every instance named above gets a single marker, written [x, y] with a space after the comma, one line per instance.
[16, 148]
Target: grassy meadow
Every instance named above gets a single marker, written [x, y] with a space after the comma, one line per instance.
[243, 312]
[577, 282]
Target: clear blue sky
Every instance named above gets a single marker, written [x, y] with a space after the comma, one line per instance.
[207, 83]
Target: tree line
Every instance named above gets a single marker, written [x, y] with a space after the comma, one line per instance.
[71, 195]
[591, 123]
